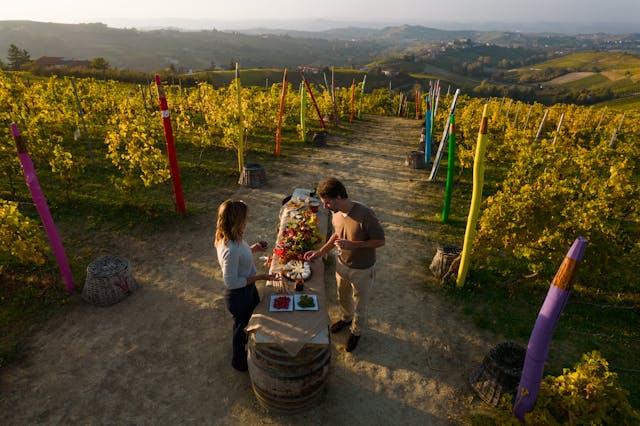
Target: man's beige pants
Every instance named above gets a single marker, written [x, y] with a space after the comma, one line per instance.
[354, 290]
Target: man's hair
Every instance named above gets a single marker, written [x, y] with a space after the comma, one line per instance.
[332, 188]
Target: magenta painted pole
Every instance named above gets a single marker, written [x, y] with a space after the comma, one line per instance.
[43, 209]
[171, 148]
[540, 339]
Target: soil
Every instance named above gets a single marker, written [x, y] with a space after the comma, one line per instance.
[162, 356]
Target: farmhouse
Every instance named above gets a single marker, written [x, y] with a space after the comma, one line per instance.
[60, 62]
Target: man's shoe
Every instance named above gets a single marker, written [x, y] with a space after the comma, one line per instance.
[352, 342]
[240, 367]
[339, 325]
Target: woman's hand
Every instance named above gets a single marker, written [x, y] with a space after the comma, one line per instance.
[258, 247]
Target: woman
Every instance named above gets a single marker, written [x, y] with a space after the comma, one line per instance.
[239, 273]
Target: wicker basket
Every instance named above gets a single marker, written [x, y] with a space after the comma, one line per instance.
[443, 263]
[109, 280]
[499, 373]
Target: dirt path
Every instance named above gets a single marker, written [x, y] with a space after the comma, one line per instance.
[162, 356]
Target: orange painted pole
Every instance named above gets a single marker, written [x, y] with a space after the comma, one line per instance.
[282, 97]
[313, 99]
[171, 149]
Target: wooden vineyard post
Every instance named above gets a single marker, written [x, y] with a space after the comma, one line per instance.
[526, 121]
[283, 95]
[81, 114]
[390, 99]
[240, 121]
[364, 80]
[43, 208]
[555, 137]
[476, 199]
[303, 112]
[333, 96]
[544, 118]
[171, 149]
[353, 100]
[601, 117]
[436, 162]
[515, 118]
[436, 96]
[615, 132]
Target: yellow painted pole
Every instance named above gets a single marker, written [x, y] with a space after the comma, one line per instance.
[476, 199]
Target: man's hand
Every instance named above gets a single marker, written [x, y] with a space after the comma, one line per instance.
[310, 255]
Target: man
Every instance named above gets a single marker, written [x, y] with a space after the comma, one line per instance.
[357, 234]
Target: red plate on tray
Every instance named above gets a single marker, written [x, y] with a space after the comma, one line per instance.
[281, 303]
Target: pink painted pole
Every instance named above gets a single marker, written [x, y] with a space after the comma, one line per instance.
[43, 209]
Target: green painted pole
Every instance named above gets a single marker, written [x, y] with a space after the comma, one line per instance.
[450, 171]
[476, 199]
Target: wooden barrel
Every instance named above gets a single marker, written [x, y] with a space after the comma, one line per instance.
[285, 383]
[253, 175]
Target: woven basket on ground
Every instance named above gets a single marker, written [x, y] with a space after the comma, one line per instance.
[109, 280]
[499, 373]
[443, 263]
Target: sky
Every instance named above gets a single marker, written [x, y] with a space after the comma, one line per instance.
[202, 13]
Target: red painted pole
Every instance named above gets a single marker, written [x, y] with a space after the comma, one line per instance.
[171, 149]
[315, 104]
[282, 97]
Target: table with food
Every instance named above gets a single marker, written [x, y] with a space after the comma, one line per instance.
[289, 345]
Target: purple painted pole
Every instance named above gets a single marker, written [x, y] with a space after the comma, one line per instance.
[43, 209]
[540, 339]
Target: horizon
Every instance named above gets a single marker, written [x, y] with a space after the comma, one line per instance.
[325, 24]
[568, 16]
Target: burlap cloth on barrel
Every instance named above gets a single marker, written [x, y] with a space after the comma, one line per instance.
[292, 330]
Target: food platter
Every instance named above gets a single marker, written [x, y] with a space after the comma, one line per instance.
[281, 303]
[297, 270]
[305, 297]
